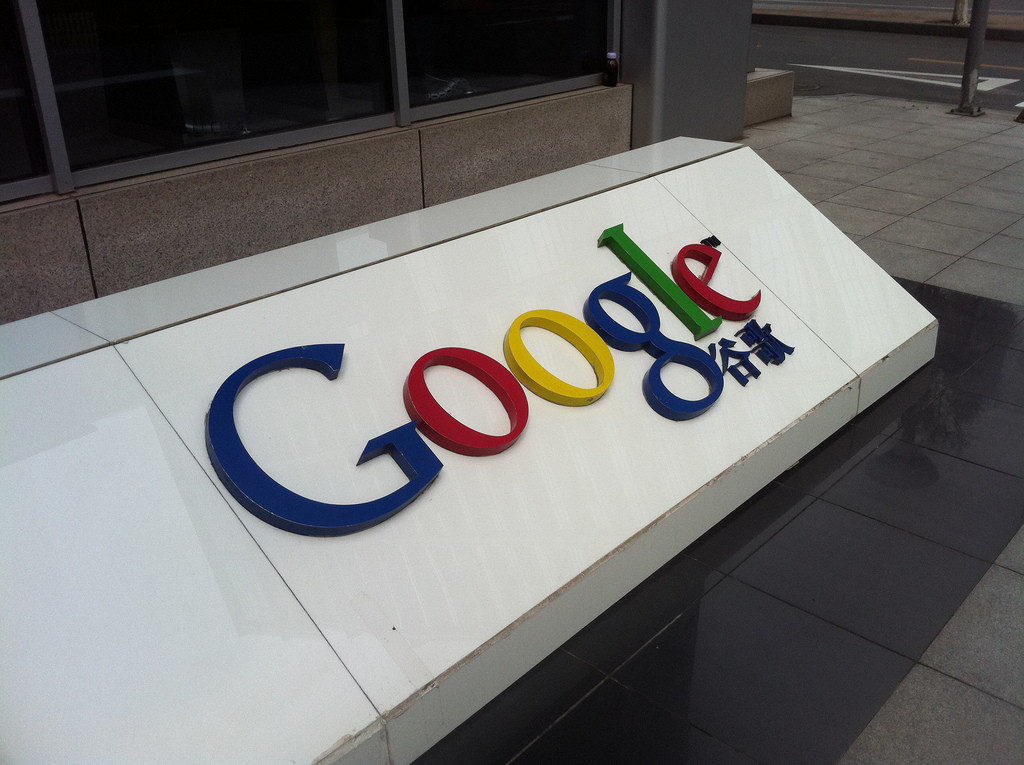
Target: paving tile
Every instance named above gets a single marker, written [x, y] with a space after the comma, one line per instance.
[617, 725]
[883, 200]
[905, 260]
[816, 189]
[809, 150]
[842, 171]
[911, 182]
[873, 159]
[1017, 230]
[838, 139]
[997, 199]
[830, 118]
[868, 131]
[932, 719]
[966, 216]
[956, 503]
[1013, 556]
[984, 641]
[761, 139]
[1014, 338]
[887, 585]
[512, 720]
[782, 161]
[628, 625]
[963, 155]
[941, 237]
[803, 106]
[752, 524]
[856, 220]
[1008, 179]
[820, 468]
[1012, 138]
[939, 169]
[770, 680]
[915, 145]
[1004, 250]
[990, 280]
[969, 314]
[789, 126]
[999, 375]
[994, 150]
[904, 122]
[888, 414]
[973, 427]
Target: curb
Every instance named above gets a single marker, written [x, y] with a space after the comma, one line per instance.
[874, 25]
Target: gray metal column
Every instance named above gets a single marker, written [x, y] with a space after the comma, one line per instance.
[687, 63]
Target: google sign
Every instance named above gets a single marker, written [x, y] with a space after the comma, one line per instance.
[689, 297]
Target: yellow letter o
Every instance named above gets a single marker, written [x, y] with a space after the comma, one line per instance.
[538, 379]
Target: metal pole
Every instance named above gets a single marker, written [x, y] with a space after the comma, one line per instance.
[972, 61]
[46, 96]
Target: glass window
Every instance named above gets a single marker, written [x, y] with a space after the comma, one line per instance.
[459, 48]
[135, 78]
[21, 149]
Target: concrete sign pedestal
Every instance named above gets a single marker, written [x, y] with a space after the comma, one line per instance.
[149, 616]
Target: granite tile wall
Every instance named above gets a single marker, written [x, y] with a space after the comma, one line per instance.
[467, 154]
[144, 232]
[145, 229]
[43, 262]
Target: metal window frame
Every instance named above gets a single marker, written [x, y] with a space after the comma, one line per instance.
[62, 179]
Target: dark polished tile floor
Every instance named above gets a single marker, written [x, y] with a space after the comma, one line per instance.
[780, 634]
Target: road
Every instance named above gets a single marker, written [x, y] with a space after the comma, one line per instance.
[931, 67]
[1008, 7]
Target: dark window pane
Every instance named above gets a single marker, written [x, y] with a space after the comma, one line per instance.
[21, 150]
[459, 48]
[136, 78]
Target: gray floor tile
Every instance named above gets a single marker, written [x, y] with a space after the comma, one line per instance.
[997, 199]
[904, 260]
[842, 171]
[962, 155]
[760, 139]
[983, 643]
[1017, 230]
[932, 719]
[904, 122]
[781, 161]
[868, 131]
[841, 139]
[789, 126]
[809, 150]
[883, 200]
[910, 182]
[994, 150]
[916, 145]
[816, 189]
[941, 237]
[1013, 556]
[935, 167]
[874, 159]
[1008, 179]
[1013, 138]
[1004, 250]
[828, 119]
[855, 220]
[977, 277]
[967, 216]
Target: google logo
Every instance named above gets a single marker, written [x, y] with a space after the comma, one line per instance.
[685, 294]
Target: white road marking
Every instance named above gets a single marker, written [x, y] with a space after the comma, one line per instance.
[949, 80]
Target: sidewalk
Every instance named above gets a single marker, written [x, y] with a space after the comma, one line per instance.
[868, 605]
[1001, 26]
[930, 196]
